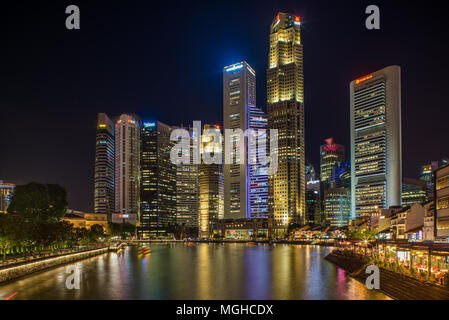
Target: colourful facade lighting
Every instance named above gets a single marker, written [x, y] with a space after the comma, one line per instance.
[360, 80]
[234, 67]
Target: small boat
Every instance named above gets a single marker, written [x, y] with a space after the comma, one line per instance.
[252, 244]
[144, 250]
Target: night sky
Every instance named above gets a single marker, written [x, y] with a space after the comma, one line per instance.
[165, 63]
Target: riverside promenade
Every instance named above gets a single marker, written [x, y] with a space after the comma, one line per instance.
[22, 266]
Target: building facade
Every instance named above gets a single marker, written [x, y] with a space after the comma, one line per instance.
[187, 189]
[6, 192]
[127, 169]
[104, 183]
[211, 186]
[157, 182]
[413, 191]
[285, 110]
[441, 216]
[331, 155]
[337, 206]
[376, 156]
[245, 184]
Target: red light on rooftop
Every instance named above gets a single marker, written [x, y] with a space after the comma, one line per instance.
[277, 17]
[217, 126]
[359, 80]
[297, 19]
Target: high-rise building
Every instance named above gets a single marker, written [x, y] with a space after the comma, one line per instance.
[341, 175]
[427, 174]
[313, 202]
[310, 172]
[331, 155]
[337, 206]
[127, 169]
[6, 192]
[376, 160]
[157, 182]
[187, 189]
[441, 213]
[210, 183]
[413, 191]
[245, 184]
[104, 193]
[258, 173]
[285, 109]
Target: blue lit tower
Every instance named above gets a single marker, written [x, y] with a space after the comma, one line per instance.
[245, 184]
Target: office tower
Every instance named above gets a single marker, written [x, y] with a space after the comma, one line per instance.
[337, 206]
[376, 161]
[441, 215]
[310, 172]
[341, 175]
[187, 189]
[104, 193]
[413, 191]
[127, 169]
[428, 176]
[157, 182]
[211, 183]
[331, 155]
[313, 202]
[245, 184]
[6, 191]
[285, 108]
[258, 173]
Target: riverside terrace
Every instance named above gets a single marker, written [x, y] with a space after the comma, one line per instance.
[418, 259]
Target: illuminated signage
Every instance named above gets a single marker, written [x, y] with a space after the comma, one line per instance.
[149, 124]
[235, 67]
[101, 126]
[359, 80]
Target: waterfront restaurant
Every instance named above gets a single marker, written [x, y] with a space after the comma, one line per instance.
[431, 258]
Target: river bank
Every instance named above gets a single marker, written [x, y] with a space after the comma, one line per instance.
[395, 285]
[11, 272]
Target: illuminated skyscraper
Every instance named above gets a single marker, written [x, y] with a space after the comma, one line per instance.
[245, 184]
[413, 191]
[157, 182]
[127, 169]
[187, 189]
[211, 184]
[285, 108]
[337, 206]
[376, 160]
[104, 193]
[331, 155]
[258, 173]
[6, 191]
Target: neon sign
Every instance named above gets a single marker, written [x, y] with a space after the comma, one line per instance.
[362, 79]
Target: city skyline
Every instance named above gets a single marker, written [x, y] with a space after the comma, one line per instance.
[75, 119]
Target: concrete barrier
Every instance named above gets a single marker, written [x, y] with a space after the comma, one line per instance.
[21, 270]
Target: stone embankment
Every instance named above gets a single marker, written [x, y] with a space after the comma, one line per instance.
[13, 272]
[397, 286]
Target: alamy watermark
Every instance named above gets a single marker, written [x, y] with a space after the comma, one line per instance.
[239, 146]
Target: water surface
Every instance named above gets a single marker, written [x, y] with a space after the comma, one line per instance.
[201, 271]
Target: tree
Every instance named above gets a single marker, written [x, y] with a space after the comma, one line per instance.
[39, 201]
[13, 232]
[95, 232]
[121, 229]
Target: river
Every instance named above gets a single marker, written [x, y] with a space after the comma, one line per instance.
[200, 271]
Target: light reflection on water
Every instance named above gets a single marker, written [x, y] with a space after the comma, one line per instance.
[204, 271]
